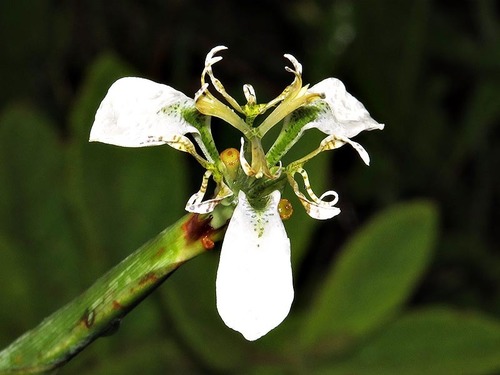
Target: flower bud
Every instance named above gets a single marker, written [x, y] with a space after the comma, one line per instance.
[231, 159]
[285, 209]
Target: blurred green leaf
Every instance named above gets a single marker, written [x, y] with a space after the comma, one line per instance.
[16, 291]
[151, 355]
[188, 304]
[373, 276]
[29, 164]
[122, 196]
[32, 206]
[433, 341]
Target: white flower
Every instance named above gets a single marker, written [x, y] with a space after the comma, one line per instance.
[254, 279]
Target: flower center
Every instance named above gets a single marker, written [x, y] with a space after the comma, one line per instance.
[294, 96]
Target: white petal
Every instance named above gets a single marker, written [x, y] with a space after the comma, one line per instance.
[344, 115]
[254, 279]
[137, 112]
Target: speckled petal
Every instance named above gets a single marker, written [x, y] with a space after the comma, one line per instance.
[254, 279]
[137, 112]
[343, 114]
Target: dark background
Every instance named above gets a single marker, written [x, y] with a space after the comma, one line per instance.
[429, 70]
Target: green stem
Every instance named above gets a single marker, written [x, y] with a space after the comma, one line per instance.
[99, 310]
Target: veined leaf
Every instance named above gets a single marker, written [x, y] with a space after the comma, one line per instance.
[434, 341]
[374, 275]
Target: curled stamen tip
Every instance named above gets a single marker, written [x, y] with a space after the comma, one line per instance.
[210, 60]
[297, 66]
[329, 193]
[217, 49]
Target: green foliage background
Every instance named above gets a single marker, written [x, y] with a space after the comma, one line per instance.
[405, 280]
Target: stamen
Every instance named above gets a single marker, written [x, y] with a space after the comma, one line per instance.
[316, 207]
[293, 97]
[278, 170]
[210, 59]
[197, 198]
[249, 94]
[330, 193]
[307, 185]
[182, 143]
[209, 105]
[202, 91]
[197, 205]
[335, 141]
[297, 66]
[221, 90]
[259, 167]
[243, 162]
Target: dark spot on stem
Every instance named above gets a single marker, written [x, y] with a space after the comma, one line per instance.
[88, 318]
[160, 252]
[196, 229]
[207, 242]
[148, 278]
[116, 305]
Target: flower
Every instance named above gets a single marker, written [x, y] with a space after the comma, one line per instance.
[254, 280]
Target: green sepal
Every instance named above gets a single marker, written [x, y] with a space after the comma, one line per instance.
[292, 131]
[202, 124]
